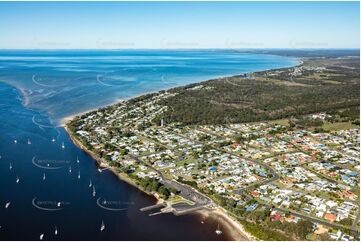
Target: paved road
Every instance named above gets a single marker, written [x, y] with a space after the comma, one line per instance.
[275, 176]
[315, 220]
[201, 200]
[186, 191]
[357, 219]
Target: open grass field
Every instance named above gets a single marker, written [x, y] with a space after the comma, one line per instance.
[339, 126]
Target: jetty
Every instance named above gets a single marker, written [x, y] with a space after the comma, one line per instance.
[148, 208]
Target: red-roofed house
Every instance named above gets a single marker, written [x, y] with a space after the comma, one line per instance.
[330, 217]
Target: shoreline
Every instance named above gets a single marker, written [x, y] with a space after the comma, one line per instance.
[234, 229]
[103, 164]
[62, 123]
[65, 120]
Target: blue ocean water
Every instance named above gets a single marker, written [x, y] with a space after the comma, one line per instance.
[38, 193]
[63, 83]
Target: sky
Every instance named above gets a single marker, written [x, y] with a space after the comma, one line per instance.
[180, 25]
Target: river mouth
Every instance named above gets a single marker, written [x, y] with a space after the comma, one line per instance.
[54, 175]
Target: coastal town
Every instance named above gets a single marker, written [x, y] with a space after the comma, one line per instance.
[291, 173]
[180, 120]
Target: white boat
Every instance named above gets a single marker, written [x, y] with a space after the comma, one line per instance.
[202, 222]
[69, 169]
[77, 159]
[41, 236]
[44, 177]
[10, 166]
[7, 204]
[56, 231]
[62, 145]
[94, 192]
[102, 169]
[90, 183]
[29, 142]
[58, 204]
[53, 140]
[15, 141]
[102, 227]
[79, 175]
[218, 231]
[17, 179]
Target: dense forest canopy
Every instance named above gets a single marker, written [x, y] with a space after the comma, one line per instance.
[318, 84]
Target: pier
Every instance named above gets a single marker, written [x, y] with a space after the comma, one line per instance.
[148, 208]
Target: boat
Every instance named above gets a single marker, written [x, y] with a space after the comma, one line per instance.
[10, 166]
[62, 145]
[41, 236]
[29, 142]
[79, 175]
[44, 177]
[58, 204]
[69, 169]
[77, 159]
[202, 222]
[90, 183]
[56, 231]
[101, 170]
[102, 227]
[53, 140]
[218, 231]
[7, 204]
[17, 179]
[94, 192]
[15, 141]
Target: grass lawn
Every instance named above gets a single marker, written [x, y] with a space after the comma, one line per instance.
[283, 122]
[178, 199]
[339, 126]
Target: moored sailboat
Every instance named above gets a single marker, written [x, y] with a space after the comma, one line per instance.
[102, 226]
[94, 192]
[218, 230]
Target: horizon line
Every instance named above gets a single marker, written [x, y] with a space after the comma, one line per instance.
[205, 48]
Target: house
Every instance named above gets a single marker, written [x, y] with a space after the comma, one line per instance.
[330, 217]
[252, 207]
[255, 193]
[275, 216]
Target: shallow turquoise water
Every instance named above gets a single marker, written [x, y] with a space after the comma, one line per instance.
[37, 89]
[64, 83]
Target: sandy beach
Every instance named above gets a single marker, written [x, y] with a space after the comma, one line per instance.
[233, 229]
[229, 225]
[67, 119]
